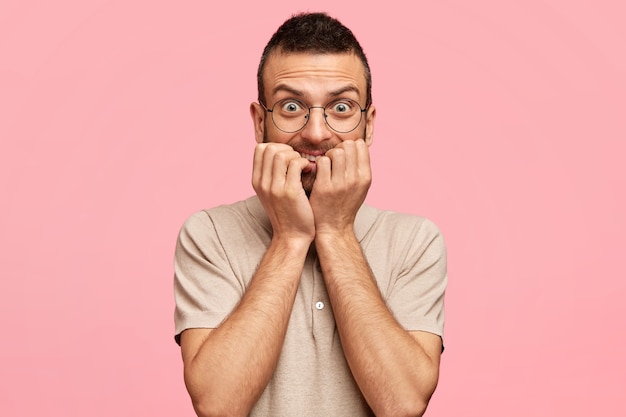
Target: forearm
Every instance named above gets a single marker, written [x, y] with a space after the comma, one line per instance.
[235, 362]
[393, 371]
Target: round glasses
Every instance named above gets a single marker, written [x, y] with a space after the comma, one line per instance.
[291, 115]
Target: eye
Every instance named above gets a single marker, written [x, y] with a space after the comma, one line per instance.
[291, 106]
[342, 106]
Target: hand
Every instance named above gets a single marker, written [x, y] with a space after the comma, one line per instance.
[343, 178]
[276, 178]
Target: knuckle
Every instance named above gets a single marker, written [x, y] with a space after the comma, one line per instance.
[280, 157]
[294, 163]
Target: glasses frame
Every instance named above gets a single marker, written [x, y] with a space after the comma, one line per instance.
[308, 116]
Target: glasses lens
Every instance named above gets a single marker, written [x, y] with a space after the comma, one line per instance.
[343, 115]
[290, 115]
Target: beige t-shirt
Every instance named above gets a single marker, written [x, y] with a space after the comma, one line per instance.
[218, 251]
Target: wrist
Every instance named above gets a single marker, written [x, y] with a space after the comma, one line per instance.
[291, 244]
[335, 237]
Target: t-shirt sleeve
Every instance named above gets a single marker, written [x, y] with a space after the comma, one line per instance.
[205, 287]
[417, 296]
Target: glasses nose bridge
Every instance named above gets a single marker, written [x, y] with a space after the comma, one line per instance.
[318, 107]
[316, 129]
[323, 108]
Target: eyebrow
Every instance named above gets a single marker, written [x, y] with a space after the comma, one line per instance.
[284, 87]
[342, 90]
[299, 93]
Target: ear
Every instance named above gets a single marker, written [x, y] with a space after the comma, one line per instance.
[257, 112]
[369, 125]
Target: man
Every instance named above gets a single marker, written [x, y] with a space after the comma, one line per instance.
[302, 300]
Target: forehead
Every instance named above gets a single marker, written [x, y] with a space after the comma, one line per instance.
[314, 73]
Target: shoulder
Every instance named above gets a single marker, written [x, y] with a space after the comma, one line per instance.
[400, 224]
[229, 226]
[206, 222]
[211, 218]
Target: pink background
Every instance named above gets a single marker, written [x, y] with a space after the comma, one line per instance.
[503, 121]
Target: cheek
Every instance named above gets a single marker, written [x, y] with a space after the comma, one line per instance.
[358, 133]
[272, 134]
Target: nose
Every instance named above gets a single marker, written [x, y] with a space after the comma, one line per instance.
[316, 130]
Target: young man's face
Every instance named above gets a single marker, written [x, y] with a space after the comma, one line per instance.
[315, 80]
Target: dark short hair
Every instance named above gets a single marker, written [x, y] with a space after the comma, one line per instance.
[315, 33]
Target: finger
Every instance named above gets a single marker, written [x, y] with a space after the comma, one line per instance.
[257, 164]
[268, 168]
[294, 172]
[363, 158]
[363, 154]
[280, 162]
[323, 167]
[337, 158]
[351, 159]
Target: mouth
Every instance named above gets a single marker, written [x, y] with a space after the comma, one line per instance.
[312, 157]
